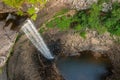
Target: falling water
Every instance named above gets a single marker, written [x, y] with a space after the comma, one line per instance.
[32, 33]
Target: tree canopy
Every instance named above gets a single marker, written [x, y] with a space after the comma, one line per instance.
[18, 5]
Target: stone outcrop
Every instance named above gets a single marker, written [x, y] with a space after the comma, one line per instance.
[82, 4]
[7, 39]
[72, 43]
[27, 64]
[69, 43]
[5, 9]
[45, 14]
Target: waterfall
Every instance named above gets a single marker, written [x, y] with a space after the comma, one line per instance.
[29, 29]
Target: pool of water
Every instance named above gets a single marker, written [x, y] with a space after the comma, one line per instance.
[82, 68]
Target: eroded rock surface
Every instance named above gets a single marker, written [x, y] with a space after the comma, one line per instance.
[7, 39]
[45, 14]
[7, 36]
[5, 9]
[26, 64]
[81, 4]
[72, 42]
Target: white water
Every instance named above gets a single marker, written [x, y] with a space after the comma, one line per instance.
[32, 33]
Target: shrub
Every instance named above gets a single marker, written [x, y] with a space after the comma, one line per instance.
[93, 18]
[17, 4]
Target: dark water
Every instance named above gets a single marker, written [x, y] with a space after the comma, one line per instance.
[80, 68]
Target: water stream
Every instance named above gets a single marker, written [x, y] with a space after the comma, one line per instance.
[85, 68]
[35, 37]
[72, 68]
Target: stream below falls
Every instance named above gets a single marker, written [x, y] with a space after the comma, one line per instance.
[83, 68]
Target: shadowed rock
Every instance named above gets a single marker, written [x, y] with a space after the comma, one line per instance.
[26, 64]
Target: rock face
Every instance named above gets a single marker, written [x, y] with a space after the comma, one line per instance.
[48, 12]
[7, 39]
[52, 7]
[72, 42]
[5, 9]
[81, 4]
[7, 36]
[114, 55]
[26, 64]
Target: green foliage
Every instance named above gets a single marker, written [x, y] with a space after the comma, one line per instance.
[78, 27]
[61, 22]
[112, 20]
[42, 30]
[32, 11]
[83, 34]
[20, 13]
[14, 3]
[34, 16]
[17, 4]
[93, 18]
